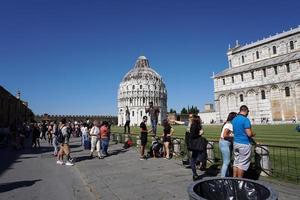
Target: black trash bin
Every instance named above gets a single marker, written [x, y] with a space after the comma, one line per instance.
[218, 188]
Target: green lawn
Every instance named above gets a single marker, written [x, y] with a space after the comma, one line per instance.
[283, 135]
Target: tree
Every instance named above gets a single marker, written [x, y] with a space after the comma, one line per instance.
[193, 110]
[172, 111]
[184, 111]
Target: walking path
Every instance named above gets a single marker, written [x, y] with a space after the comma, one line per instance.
[35, 175]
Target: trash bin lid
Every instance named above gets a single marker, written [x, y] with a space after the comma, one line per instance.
[218, 188]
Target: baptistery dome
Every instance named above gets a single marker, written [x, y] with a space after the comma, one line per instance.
[140, 86]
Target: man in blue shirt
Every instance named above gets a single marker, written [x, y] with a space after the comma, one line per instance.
[242, 142]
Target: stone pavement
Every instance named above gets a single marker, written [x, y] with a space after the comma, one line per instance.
[35, 175]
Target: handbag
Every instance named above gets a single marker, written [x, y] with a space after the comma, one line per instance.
[197, 144]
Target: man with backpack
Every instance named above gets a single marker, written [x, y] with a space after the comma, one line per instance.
[63, 137]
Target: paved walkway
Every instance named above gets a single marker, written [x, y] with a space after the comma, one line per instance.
[35, 175]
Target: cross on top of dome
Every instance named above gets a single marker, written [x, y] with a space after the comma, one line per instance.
[142, 62]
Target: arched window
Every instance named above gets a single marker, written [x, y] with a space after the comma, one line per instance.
[132, 113]
[252, 74]
[133, 87]
[264, 72]
[274, 50]
[287, 91]
[144, 100]
[243, 59]
[232, 79]
[242, 77]
[141, 86]
[291, 45]
[141, 113]
[263, 94]
[223, 81]
[130, 100]
[257, 55]
[288, 68]
[241, 98]
[275, 70]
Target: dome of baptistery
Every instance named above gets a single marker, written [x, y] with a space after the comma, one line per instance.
[140, 86]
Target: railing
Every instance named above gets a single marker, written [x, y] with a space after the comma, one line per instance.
[273, 160]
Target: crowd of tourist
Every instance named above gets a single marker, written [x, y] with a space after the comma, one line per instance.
[235, 139]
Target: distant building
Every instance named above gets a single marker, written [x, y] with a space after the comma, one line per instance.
[13, 111]
[208, 116]
[265, 76]
[140, 86]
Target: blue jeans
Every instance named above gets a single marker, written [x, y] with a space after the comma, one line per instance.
[55, 145]
[104, 146]
[154, 125]
[224, 146]
[84, 137]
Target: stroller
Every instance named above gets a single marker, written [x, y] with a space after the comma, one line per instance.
[156, 149]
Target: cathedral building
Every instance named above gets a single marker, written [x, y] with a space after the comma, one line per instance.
[140, 86]
[265, 76]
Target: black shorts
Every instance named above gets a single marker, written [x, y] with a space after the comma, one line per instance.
[143, 139]
[166, 139]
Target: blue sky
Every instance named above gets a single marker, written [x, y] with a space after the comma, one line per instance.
[68, 57]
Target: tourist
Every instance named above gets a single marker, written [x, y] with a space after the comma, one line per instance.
[242, 142]
[197, 144]
[225, 143]
[127, 118]
[64, 147]
[143, 136]
[104, 136]
[167, 133]
[43, 131]
[153, 112]
[54, 132]
[35, 136]
[84, 134]
[95, 139]
[49, 133]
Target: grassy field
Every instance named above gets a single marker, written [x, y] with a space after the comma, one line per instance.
[282, 135]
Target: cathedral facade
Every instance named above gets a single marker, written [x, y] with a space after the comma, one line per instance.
[140, 86]
[265, 76]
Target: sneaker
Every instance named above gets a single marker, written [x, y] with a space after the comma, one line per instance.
[68, 163]
[91, 156]
[143, 158]
[59, 162]
[195, 177]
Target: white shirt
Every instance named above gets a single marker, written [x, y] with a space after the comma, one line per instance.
[95, 131]
[84, 130]
[228, 126]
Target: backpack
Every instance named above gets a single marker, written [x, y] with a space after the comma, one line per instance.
[60, 137]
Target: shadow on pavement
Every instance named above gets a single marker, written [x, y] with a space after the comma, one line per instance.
[9, 155]
[5, 187]
[117, 151]
[82, 158]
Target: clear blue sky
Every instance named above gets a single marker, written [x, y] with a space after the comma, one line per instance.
[68, 57]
